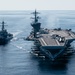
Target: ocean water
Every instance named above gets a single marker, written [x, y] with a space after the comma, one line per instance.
[16, 57]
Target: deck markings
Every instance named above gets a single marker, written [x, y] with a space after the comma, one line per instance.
[44, 42]
[57, 42]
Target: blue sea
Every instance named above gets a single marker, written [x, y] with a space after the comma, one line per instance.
[16, 57]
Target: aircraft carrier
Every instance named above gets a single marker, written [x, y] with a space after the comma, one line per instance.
[52, 42]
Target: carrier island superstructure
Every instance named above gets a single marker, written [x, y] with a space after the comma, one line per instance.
[52, 42]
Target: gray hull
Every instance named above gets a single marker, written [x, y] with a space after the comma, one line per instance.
[52, 52]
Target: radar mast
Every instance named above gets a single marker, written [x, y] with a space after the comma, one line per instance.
[36, 25]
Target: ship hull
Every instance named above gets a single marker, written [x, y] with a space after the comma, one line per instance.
[4, 41]
[52, 52]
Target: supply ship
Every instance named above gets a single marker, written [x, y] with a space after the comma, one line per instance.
[4, 35]
[52, 42]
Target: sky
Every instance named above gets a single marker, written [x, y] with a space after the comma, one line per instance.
[37, 4]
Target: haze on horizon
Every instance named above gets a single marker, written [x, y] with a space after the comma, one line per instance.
[37, 4]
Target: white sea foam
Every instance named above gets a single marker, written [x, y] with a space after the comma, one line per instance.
[16, 33]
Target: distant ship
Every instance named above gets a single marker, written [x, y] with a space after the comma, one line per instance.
[52, 42]
[4, 35]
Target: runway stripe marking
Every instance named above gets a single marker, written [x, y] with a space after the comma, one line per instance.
[57, 42]
[43, 41]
